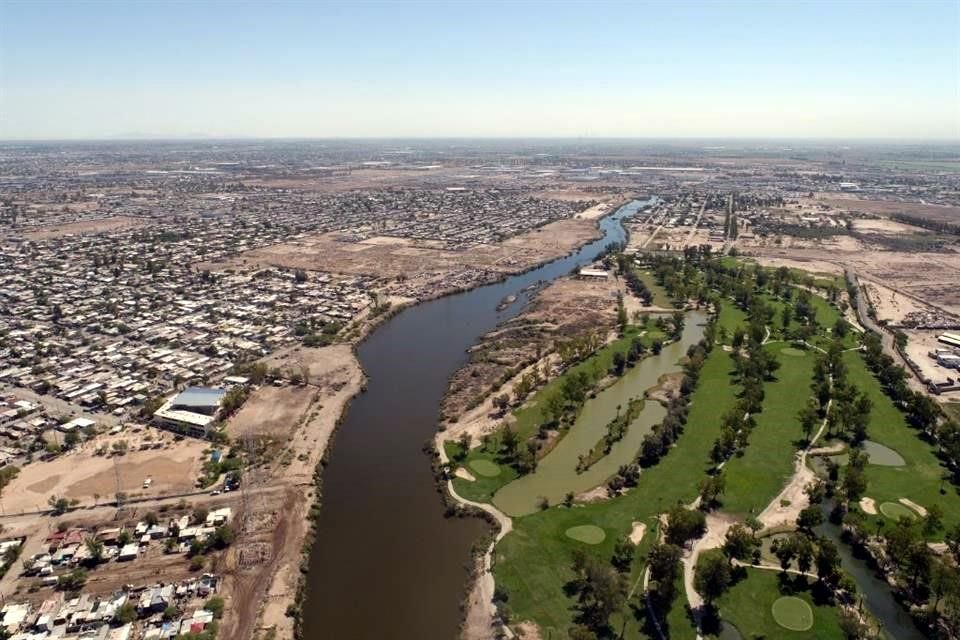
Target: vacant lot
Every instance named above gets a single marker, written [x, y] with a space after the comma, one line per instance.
[933, 212]
[89, 478]
[271, 411]
[389, 257]
[114, 223]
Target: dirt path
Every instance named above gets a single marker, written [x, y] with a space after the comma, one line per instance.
[717, 526]
[481, 612]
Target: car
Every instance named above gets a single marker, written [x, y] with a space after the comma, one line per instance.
[215, 492]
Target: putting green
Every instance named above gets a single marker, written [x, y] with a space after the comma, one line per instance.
[895, 511]
[586, 533]
[793, 613]
[882, 455]
[485, 467]
[793, 351]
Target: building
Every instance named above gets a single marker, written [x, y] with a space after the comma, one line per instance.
[192, 411]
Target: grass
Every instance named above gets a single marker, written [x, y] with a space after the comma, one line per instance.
[756, 477]
[532, 563]
[895, 511]
[792, 613]
[586, 533]
[484, 467]
[919, 479]
[749, 606]
[660, 297]
[952, 409]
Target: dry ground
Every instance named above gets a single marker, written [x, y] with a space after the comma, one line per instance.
[935, 212]
[425, 266]
[271, 411]
[919, 344]
[89, 478]
[114, 223]
[565, 308]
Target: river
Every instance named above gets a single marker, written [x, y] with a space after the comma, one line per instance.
[386, 563]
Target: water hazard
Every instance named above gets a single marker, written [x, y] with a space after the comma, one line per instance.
[386, 563]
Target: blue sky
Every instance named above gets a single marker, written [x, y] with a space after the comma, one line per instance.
[640, 69]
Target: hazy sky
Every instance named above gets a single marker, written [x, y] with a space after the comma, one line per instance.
[661, 69]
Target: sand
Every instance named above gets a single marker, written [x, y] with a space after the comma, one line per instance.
[868, 506]
[913, 505]
[636, 534]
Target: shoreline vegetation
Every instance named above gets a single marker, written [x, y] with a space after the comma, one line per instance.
[797, 335]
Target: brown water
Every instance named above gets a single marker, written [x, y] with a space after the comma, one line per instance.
[386, 563]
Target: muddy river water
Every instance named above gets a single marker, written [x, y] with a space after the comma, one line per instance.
[386, 563]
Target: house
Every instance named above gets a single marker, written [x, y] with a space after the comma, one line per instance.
[128, 552]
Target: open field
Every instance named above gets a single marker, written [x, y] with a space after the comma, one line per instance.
[90, 478]
[933, 212]
[423, 262]
[113, 223]
[271, 411]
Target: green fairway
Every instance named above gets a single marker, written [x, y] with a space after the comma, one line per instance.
[793, 352]
[660, 297]
[792, 613]
[895, 511]
[751, 606]
[586, 533]
[756, 477]
[486, 468]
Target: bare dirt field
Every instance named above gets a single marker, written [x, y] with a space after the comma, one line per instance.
[90, 478]
[349, 179]
[933, 212]
[891, 305]
[390, 257]
[114, 223]
[271, 411]
[885, 227]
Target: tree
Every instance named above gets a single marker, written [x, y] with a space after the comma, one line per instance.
[125, 614]
[809, 518]
[712, 575]
[501, 402]
[684, 524]
[623, 555]
[664, 563]
[827, 561]
[215, 606]
[600, 592]
[95, 549]
[58, 506]
[740, 543]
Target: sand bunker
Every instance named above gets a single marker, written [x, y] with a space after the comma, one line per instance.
[464, 474]
[913, 505]
[868, 506]
[636, 535]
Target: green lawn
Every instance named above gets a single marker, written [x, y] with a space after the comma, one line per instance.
[660, 297]
[919, 479]
[533, 561]
[756, 477]
[749, 606]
